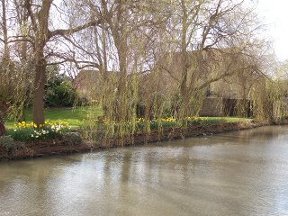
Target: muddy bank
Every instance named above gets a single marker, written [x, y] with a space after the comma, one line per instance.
[59, 147]
[41, 149]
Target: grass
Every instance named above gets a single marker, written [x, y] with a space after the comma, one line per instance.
[75, 117]
[226, 119]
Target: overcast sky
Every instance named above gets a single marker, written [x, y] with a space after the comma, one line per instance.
[275, 14]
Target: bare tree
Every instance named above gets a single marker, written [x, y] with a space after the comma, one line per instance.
[209, 38]
[40, 34]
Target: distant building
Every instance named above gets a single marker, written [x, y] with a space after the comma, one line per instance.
[223, 95]
[88, 83]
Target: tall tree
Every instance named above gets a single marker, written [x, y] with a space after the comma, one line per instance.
[208, 38]
[41, 35]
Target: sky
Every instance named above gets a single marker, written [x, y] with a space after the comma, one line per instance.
[274, 13]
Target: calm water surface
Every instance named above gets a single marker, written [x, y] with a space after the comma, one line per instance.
[239, 173]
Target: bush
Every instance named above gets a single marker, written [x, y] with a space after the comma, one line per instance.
[8, 143]
[61, 95]
[72, 138]
[23, 134]
[60, 91]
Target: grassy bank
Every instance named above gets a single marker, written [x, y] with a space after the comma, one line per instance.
[24, 140]
[75, 117]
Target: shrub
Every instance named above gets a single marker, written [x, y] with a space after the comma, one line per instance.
[60, 91]
[72, 138]
[8, 143]
[61, 95]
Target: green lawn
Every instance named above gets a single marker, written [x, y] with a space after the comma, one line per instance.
[227, 119]
[75, 117]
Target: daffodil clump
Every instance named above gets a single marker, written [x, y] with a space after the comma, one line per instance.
[28, 131]
[24, 124]
[170, 122]
[141, 125]
[156, 123]
[163, 122]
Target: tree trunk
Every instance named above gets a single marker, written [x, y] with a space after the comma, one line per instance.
[2, 127]
[39, 91]
[121, 103]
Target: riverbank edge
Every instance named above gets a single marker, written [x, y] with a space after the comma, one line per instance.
[58, 147]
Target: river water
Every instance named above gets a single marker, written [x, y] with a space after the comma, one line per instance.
[238, 173]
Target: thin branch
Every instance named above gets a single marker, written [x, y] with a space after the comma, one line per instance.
[66, 32]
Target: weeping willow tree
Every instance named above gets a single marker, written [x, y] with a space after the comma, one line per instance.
[15, 90]
[204, 42]
[269, 99]
[120, 48]
[163, 55]
[15, 79]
